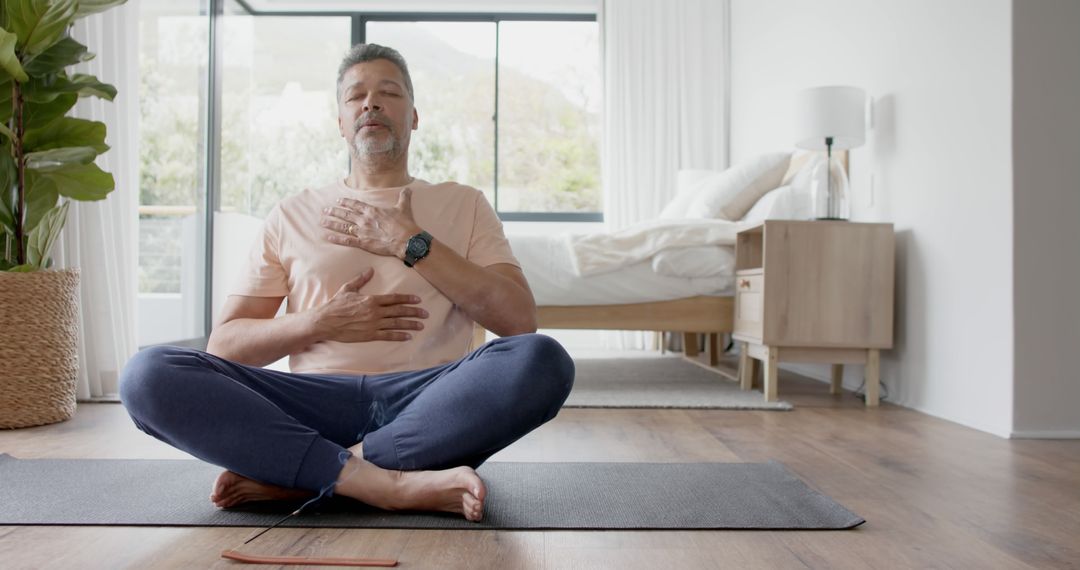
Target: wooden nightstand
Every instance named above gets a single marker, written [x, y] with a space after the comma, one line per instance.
[814, 291]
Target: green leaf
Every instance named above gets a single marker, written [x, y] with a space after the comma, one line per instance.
[9, 62]
[44, 236]
[63, 53]
[38, 23]
[38, 115]
[40, 90]
[57, 158]
[45, 89]
[87, 7]
[6, 132]
[24, 268]
[85, 182]
[67, 132]
[41, 196]
[88, 85]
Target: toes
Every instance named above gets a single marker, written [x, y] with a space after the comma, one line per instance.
[478, 489]
[472, 508]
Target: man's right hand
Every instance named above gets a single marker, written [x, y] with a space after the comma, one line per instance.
[351, 316]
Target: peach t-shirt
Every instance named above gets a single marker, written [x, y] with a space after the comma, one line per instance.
[292, 259]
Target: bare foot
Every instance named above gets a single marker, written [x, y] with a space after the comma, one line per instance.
[458, 490]
[232, 489]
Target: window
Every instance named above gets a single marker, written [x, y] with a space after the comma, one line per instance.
[509, 106]
[549, 117]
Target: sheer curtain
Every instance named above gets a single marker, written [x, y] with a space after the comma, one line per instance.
[665, 100]
[665, 106]
[101, 238]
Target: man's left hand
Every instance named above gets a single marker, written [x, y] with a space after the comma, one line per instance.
[382, 231]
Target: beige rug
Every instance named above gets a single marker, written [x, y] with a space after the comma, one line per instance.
[659, 382]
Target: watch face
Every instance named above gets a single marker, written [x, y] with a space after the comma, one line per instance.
[417, 247]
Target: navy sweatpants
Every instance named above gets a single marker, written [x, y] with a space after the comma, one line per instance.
[291, 430]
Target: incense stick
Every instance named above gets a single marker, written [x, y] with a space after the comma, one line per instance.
[285, 518]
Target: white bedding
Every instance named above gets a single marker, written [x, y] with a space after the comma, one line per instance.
[547, 264]
[597, 253]
[658, 260]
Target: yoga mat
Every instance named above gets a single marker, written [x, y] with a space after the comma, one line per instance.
[520, 496]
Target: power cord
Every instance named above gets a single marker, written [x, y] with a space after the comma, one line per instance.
[861, 394]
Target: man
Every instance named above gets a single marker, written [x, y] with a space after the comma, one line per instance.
[384, 276]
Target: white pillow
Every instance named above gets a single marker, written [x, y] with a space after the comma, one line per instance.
[790, 201]
[769, 207]
[695, 261]
[686, 183]
[730, 194]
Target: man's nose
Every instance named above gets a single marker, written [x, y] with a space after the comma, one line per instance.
[372, 104]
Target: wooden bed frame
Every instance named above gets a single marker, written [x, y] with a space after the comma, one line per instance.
[691, 316]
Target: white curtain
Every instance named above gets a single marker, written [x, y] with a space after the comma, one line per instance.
[101, 238]
[665, 107]
[665, 100]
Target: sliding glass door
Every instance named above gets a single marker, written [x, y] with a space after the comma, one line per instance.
[173, 104]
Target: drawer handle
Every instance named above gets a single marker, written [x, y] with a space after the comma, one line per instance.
[745, 283]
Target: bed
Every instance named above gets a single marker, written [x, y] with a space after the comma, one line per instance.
[689, 290]
[637, 294]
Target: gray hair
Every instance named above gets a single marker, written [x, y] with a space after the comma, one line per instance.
[368, 52]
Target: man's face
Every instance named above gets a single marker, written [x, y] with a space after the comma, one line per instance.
[375, 114]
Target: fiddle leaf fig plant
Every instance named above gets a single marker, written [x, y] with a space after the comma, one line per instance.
[46, 157]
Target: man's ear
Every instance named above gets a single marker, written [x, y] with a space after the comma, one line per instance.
[415, 119]
[340, 126]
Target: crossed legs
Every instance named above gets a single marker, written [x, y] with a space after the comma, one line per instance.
[407, 440]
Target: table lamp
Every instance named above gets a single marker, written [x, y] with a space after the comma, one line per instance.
[828, 118]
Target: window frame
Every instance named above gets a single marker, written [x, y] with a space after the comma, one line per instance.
[359, 34]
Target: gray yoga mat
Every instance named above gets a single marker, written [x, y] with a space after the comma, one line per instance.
[521, 496]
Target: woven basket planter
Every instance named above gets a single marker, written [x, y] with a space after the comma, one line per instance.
[39, 328]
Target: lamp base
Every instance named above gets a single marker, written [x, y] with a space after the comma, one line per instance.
[829, 191]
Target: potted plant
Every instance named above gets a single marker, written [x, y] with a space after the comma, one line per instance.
[46, 160]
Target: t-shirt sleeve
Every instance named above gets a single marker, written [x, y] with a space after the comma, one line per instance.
[263, 274]
[488, 244]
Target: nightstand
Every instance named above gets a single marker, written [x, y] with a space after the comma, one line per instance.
[814, 291]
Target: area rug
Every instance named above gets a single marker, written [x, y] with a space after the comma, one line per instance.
[659, 382]
[520, 496]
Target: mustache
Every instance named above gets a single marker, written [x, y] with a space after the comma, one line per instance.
[371, 117]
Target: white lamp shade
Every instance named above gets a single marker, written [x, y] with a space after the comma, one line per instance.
[833, 111]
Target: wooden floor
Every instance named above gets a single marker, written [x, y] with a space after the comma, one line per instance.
[935, 495]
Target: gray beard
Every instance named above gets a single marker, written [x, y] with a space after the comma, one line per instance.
[371, 147]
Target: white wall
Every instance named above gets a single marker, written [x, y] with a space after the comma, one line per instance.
[939, 161]
[1046, 146]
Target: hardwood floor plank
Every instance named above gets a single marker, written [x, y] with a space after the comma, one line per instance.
[473, 549]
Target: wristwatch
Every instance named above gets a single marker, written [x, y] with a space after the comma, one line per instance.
[417, 249]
